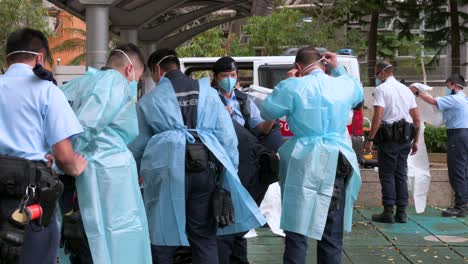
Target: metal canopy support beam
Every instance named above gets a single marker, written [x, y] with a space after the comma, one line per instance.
[142, 15]
[97, 34]
[177, 39]
[160, 31]
[129, 36]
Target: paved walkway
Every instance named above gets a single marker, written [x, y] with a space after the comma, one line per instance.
[426, 238]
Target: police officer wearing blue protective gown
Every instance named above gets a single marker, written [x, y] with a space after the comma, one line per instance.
[109, 196]
[35, 119]
[319, 172]
[177, 116]
[256, 137]
[454, 107]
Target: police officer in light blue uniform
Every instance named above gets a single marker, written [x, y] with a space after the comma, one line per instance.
[454, 107]
[241, 108]
[35, 119]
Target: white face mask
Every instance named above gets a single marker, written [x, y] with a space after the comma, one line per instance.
[159, 62]
[24, 51]
[130, 61]
[134, 83]
[379, 81]
[311, 66]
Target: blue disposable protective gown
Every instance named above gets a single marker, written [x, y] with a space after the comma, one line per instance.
[317, 109]
[161, 149]
[110, 201]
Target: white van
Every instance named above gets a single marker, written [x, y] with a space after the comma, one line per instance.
[261, 74]
[265, 71]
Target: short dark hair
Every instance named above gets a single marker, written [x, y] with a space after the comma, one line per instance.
[456, 79]
[307, 55]
[117, 57]
[384, 65]
[26, 39]
[166, 58]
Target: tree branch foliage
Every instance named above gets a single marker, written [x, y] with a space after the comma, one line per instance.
[16, 14]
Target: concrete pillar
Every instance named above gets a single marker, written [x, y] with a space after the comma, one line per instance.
[236, 26]
[129, 35]
[97, 34]
[148, 48]
[148, 82]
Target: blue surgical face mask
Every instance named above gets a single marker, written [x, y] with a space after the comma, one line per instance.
[228, 84]
[134, 88]
[378, 82]
[449, 91]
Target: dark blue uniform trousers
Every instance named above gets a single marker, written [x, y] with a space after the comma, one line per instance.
[393, 172]
[201, 227]
[330, 248]
[233, 248]
[40, 244]
[457, 163]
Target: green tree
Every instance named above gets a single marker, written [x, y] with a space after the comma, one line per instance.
[446, 25]
[16, 14]
[211, 43]
[77, 43]
[272, 34]
[292, 28]
[360, 11]
[356, 40]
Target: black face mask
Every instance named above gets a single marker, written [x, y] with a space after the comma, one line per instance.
[44, 74]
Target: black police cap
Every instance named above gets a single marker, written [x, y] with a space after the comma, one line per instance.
[225, 64]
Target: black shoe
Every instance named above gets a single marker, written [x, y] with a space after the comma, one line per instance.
[400, 215]
[457, 211]
[386, 216]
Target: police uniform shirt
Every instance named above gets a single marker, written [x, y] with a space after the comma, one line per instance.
[186, 90]
[34, 114]
[455, 110]
[255, 118]
[396, 99]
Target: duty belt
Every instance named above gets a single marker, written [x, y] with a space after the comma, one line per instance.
[17, 173]
[35, 187]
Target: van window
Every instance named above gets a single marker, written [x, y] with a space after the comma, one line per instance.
[270, 75]
[245, 76]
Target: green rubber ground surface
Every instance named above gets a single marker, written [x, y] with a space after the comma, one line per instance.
[426, 238]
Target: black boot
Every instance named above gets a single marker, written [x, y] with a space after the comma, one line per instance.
[457, 211]
[386, 216]
[400, 215]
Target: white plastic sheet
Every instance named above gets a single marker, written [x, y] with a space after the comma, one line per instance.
[271, 208]
[419, 177]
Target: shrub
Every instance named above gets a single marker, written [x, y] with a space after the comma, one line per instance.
[436, 139]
